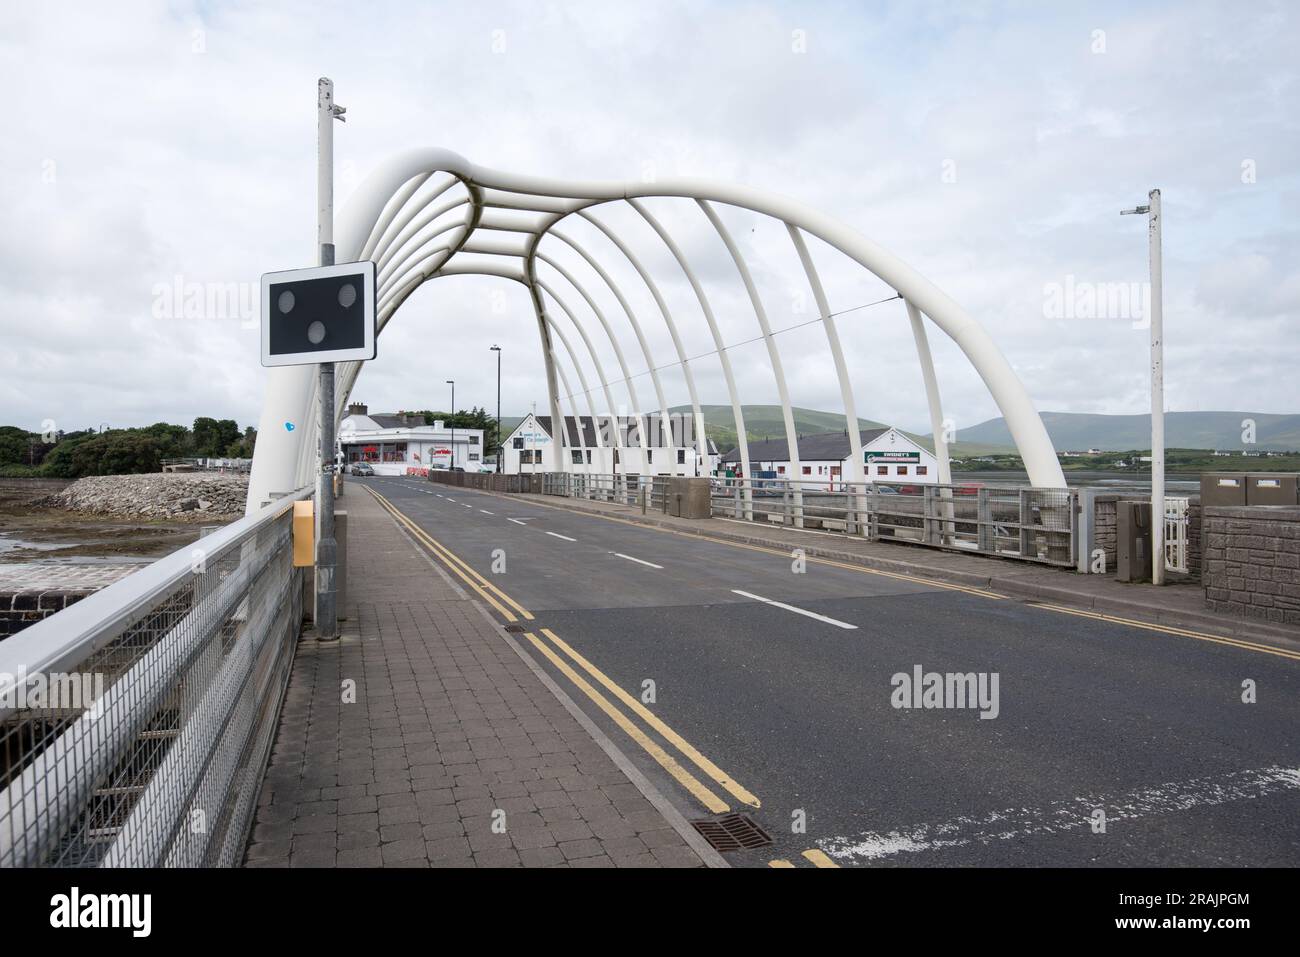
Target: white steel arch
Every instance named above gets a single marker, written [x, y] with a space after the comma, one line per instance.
[431, 213]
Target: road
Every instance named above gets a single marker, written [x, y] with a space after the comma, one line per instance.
[741, 679]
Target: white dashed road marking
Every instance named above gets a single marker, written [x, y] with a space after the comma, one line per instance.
[637, 560]
[558, 535]
[797, 611]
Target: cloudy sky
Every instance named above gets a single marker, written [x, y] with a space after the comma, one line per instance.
[154, 145]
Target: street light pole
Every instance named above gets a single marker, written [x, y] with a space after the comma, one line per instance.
[1152, 209]
[326, 612]
[497, 350]
[452, 420]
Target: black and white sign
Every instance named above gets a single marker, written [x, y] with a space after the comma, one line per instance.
[321, 314]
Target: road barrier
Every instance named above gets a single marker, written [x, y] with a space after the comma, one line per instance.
[1031, 524]
[135, 724]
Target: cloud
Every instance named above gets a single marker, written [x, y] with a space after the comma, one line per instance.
[991, 147]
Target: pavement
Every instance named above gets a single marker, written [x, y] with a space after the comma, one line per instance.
[739, 675]
[426, 736]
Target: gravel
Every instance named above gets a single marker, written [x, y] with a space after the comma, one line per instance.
[171, 495]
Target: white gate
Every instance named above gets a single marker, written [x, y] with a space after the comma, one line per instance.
[1176, 534]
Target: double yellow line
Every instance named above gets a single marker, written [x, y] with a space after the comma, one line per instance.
[511, 610]
[1170, 630]
[814, 856]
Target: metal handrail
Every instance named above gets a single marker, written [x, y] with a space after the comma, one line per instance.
[62, 641]
[206, 636]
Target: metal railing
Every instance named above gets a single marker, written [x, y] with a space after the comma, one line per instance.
[1032, 524]
[1176, 528]
[136, 723]
[648, 492]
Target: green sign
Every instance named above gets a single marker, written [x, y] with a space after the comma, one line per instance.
[893, 457]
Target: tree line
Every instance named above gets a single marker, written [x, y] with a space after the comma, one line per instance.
[119, 451]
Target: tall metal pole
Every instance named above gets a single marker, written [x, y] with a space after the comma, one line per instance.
[452, 420]
[497, 350]
[327, 625]
[1157, 324]
[1157, 395]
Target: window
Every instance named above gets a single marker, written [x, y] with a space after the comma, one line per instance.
[902, 470]
[473, 456]
[807, 470]
[681, 456]
[473, 440]
[923, 470]
[517, 443]
[588, 456]
[576, 455]
[649, 455]
[526, 457]
[780, 470]
[882, 469]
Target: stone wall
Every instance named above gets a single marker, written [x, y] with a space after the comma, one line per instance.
[32, 592]
[1252, 561]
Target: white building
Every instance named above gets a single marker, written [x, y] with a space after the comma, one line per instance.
[824, 459]
[614, 449]
[401, 444]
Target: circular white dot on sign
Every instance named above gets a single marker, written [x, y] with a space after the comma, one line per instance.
[316, 332]
[286, 301]
[347, 295]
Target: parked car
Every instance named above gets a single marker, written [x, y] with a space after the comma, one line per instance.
[362, 468]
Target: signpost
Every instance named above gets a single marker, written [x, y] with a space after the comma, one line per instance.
[319, 316]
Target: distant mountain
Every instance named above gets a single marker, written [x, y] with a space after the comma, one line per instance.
[1078, 431]
[765, 421]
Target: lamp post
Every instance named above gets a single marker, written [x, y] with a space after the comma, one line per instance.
[1152, 209]
[452, 420]
[497, 350]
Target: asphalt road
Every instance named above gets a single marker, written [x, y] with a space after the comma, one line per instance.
[1104, 744]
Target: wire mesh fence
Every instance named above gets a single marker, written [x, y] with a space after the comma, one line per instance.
[134, 725]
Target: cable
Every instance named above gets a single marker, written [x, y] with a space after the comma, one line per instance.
[743, 342]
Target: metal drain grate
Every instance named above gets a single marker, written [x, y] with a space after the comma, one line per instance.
[733, 832]
[515, 629]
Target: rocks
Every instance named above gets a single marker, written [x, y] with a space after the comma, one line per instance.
[188, 496]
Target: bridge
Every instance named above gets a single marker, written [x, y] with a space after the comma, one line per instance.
[642, 670]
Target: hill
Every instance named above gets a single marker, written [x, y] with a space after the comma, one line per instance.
[1077, 431]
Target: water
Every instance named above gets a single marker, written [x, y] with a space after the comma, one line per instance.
[1176, 483]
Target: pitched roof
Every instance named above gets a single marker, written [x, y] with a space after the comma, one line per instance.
[655, 435]
[820, 447]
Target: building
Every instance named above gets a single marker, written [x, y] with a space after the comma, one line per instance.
[825, 459]
[670, 448]
[401, 443]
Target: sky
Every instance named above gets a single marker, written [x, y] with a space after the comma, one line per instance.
[151, 147]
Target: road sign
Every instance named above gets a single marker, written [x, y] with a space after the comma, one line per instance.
[321, 314]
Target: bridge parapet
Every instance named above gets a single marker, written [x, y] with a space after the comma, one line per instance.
[134, 725]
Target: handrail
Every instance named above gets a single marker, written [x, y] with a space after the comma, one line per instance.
[60, 642]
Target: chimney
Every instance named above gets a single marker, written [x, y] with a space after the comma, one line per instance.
[413, 419]
[357, 408]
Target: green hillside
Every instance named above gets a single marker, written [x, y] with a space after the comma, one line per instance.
[765, 421]
[1077, 431]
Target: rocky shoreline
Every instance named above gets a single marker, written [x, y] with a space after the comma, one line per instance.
[176, 496]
